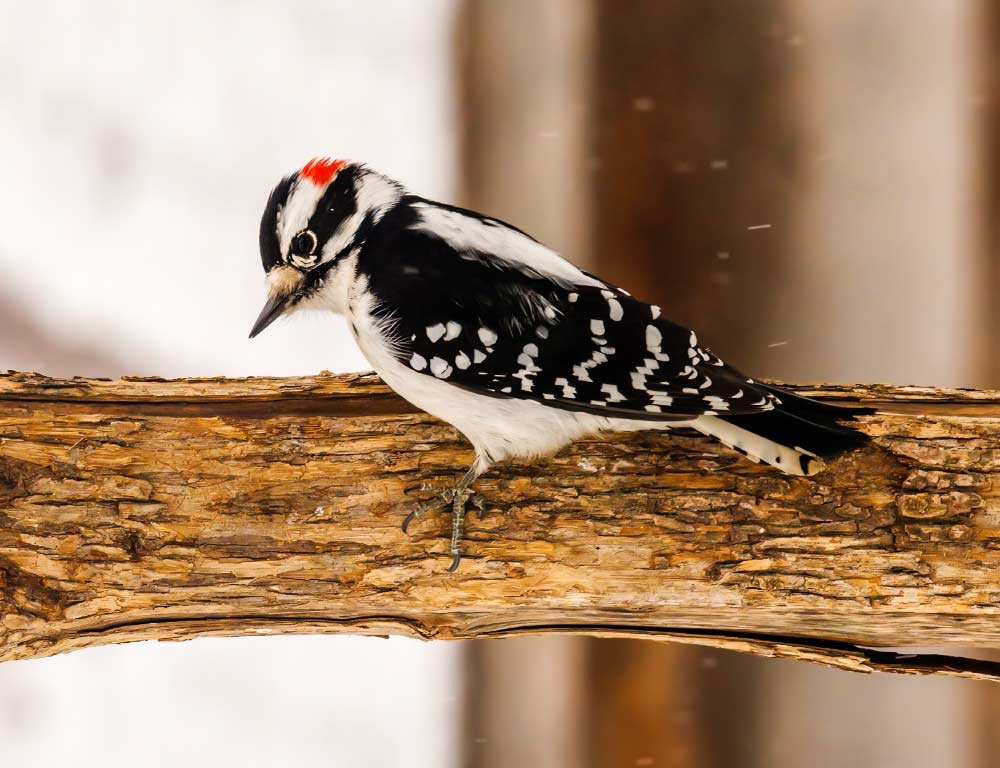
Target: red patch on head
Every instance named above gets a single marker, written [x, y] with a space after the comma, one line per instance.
[320, 170]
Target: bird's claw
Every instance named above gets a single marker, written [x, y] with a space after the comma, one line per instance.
[445, 498]
[457, 499]
[407, 520]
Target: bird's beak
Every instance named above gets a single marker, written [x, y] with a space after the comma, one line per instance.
[273, 309]
[283, 284]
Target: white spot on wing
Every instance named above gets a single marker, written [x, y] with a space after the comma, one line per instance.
[615, 311]
[462, 360]
[597, 327]
[452, 330]
[435, 332]
[614, 395]
[440, 368]
[487, 336]
[653, 337]
[417, 362]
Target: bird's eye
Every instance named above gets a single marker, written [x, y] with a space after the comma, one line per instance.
[303, 244]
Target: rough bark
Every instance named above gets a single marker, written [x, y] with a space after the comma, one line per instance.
[148, 509]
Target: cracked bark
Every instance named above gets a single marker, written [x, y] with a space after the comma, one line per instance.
[148, 509]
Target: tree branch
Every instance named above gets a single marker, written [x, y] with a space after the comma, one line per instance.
[149, 509]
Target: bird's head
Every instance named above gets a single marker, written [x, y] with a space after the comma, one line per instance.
[315, 219]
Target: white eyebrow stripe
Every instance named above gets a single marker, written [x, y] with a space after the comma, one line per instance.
[294, 217]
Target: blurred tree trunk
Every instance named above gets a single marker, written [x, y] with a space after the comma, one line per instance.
[523, 91]
[988, 219]
[676, 150]
[987, 699]
[695, 132]
[695, 139]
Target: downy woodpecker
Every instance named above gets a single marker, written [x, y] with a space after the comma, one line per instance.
[479, 324]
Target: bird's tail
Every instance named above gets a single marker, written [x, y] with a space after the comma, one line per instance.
[795, 437]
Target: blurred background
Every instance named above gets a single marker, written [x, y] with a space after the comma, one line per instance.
[810, 184]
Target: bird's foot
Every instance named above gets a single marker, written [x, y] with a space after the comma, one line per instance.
[457, 498]
[444, 499]
[461, 498]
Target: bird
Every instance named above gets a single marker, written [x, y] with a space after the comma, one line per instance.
[479, 324]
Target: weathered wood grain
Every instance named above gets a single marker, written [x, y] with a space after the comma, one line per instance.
[150, 509]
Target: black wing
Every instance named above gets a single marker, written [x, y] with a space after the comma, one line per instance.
[486, 325]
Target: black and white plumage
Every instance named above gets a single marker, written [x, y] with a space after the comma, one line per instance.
[482, 326]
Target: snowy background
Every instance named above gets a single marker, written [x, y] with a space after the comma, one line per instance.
[139, 142]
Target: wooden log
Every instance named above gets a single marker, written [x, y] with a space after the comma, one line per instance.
[148, 509]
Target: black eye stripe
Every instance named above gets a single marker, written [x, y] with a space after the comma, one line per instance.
[337, 203]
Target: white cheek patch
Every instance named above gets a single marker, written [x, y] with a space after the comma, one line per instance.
[336, 291]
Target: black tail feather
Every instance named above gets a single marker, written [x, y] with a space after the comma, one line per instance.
[805, 424]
